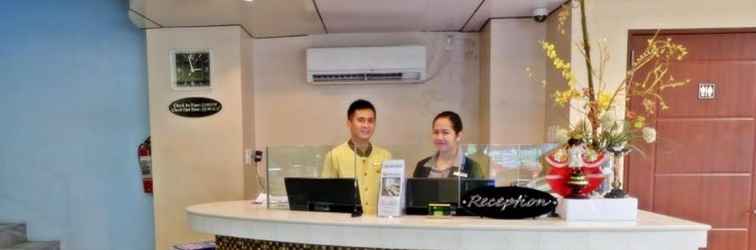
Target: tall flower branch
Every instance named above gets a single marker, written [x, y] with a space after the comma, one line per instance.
[647, 77]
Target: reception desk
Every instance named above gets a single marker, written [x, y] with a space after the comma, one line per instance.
[243, 220]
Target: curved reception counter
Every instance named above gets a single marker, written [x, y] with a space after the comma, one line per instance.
[242, 225]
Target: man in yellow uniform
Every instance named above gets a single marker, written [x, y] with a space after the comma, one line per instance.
[358, 158]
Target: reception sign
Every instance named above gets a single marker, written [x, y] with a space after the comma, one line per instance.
[195, 107]
[508, 202]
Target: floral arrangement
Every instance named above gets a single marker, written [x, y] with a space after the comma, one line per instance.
[600, 132]
[647, 77]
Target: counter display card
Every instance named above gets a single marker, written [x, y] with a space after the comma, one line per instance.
[391, 197]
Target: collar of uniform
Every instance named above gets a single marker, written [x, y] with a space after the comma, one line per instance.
[365, 153]
[457, 163]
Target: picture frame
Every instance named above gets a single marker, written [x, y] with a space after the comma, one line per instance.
[191, 69]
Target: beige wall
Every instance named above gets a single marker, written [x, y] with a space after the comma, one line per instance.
[195, 160]
[248, 114]
[517, 103]
[267, 101]
[485, 85]
[290, 111]
[556, 116]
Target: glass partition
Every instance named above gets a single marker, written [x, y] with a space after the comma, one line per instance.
[479, 165]
[290, 161]
[512, 165]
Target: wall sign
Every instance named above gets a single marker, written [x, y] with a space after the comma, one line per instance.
[195, 107]
[508, 202]
[707, 90]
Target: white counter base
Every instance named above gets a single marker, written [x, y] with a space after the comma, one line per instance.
[244, 220]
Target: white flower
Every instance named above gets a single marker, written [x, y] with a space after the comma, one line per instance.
[562, 136]
[619, 148]
[608, 120]
[649, 134]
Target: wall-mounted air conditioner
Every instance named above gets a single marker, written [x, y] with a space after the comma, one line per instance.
[356, 65]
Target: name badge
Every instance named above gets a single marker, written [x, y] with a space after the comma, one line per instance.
[460, 174]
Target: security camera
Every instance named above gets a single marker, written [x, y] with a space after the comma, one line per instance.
[540, 14]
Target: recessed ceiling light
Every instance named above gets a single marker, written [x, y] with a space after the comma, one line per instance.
[249, 1]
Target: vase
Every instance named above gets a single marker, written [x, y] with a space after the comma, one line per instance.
[616, 192]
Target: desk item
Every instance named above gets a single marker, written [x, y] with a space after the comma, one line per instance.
[424, 191]
[391, 197]
[322, 194]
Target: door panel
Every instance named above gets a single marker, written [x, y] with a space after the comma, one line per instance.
[752, 231]
[714, 200]
[734, 90]
[728, 46]
[705, 146]
[728, 239]
[639, 178]
[702, 166]
[639, 175]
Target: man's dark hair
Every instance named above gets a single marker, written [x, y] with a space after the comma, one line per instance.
[358, 105]
[454, 118]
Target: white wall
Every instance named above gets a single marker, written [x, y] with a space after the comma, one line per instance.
[195, 160]
[290, 111]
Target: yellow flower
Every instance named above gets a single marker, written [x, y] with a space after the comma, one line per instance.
[559, 64]
[604, 100]
[564, 97]
[639, 122]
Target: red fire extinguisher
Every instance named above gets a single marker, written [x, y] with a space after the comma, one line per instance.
[145, 164]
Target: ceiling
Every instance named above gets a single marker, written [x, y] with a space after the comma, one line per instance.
[276, 18]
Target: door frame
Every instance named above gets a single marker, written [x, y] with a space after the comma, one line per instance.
[751, 237]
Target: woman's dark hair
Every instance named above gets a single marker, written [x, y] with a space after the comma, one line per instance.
[454, 118]
[358, 105]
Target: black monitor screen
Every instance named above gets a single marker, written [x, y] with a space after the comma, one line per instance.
[322, 194]
[422, 191]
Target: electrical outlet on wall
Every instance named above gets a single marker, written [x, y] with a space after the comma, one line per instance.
[248, 156]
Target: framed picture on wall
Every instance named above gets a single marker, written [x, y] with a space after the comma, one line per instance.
[191, 69]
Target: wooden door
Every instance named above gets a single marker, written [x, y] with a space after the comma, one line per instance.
[701, 167]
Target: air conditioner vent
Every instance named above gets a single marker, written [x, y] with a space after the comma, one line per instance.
[338, 77]
[364, 65]
[384, 76]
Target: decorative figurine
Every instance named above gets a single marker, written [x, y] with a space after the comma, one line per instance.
[575, 170]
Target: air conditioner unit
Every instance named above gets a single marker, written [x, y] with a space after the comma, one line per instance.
[357, 65]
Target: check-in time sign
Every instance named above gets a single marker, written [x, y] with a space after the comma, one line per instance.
[195, 107]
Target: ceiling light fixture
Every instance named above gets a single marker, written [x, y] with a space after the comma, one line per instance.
[249, 1]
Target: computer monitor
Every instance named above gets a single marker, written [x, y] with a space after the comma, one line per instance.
[423, 191]
[322, 194]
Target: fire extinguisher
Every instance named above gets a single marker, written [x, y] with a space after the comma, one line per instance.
[144, 152]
